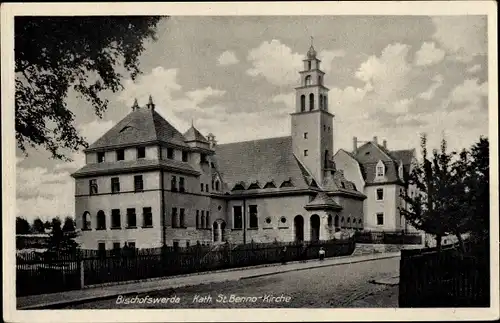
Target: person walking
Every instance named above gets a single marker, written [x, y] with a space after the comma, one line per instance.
[283, 255]
[321, 254]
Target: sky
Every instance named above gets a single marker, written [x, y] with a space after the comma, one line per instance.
[393, 77]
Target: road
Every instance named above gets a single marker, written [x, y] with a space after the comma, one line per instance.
[326, 287]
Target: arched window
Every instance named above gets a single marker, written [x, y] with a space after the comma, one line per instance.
[320, 101]
[302, 103]
[308, 80]
[86, 224]
[207, 220]
[309, 65]
[215, 228]
[216, 185]
[336, 223]
[202, 221]
[325, 102]
[326, 158]
[330, 220]
[311, 102]
[197, 219]
[223, 231]
[101, 220]
[319, 79]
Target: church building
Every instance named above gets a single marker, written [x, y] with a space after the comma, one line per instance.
[145, 184]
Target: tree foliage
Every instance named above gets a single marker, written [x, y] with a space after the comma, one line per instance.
[56, 54]
[69, 224]
[38, 226]
[452, 191]
[60, 240]
[22, 226]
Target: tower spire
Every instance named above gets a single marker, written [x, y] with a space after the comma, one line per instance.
[135, 106]
[151, 105]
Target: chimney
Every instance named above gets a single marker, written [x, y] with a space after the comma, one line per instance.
[355, 144]
[211, 140]
[375, 139]
[384, 143]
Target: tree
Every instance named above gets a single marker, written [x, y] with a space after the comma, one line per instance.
[61, 241]
[38, 226]
[22, 226]
[429, 209]
[47, 225]
[69, 224]
[56, 54]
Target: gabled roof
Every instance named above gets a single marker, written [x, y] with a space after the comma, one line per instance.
[140, 126]
[369, 154]
[259, 161]
[321, 202]
[194, 135]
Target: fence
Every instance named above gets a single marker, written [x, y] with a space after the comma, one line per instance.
[89, 267]
[445, 279]
[396, 237]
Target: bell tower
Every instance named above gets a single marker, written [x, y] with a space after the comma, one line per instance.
[312, 124]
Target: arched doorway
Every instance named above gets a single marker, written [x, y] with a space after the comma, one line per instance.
[315, 227]
[298, 225]
[223, 231]
[215, 230]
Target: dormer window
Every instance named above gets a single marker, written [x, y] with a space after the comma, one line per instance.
[120, 154]
[380, 170]
[400, 171]
[100, 157]
[141, 152]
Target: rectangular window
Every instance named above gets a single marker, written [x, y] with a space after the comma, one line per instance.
[254, 223]
[206, 187]
[115, 219]
[147, 217]
[305, 135]
[101, 246]
[380, 194]
[182, 222]
[187, 244]
[100, 157]
[380, 171]
[305, 152]
[181, 184]
[173, 184]
[237, 217]
[116, 245]
[131, 244]
[93, 189]
[138, 183]
[203, 158]
[131, 218]
[141, 152]
[175, 224]
[201, 187]
[120, 154]
[185, 156]
[207, 219]
[176, 245]
[380, 218]
[198, 219]
[170, 153]
[115, 185]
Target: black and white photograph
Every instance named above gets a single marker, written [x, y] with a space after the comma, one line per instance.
[255, 158]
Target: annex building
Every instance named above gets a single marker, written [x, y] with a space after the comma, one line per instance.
[145, 184]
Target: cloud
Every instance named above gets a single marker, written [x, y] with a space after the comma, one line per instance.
[288, 99]
[327, 57]
[474, 68]
[428, 54]
[401, 106]
[469, 93]
[275, 62]
[171, 102]
[387, 74]
[430, 92]
[462, 36]
[200, 95]
[228, 58]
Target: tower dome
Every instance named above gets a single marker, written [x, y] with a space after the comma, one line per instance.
[311, 53]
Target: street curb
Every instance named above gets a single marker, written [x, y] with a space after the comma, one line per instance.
[320, 266]
[51, 305]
